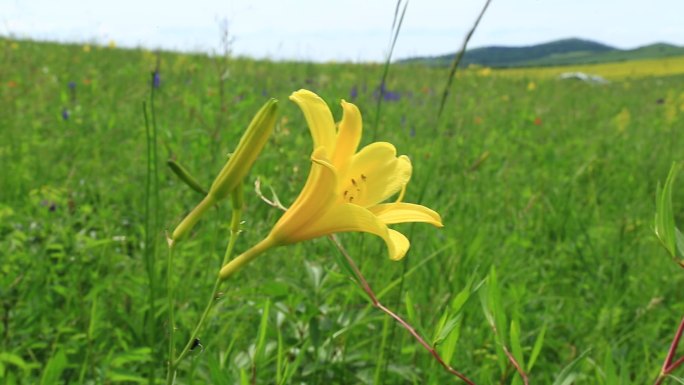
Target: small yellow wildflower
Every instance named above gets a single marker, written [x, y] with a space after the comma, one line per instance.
[622, 120]
[484, 72]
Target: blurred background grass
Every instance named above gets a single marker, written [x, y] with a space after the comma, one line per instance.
[551, 181]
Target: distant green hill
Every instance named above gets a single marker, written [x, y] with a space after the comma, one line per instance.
[559, 52]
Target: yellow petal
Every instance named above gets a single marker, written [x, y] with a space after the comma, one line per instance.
[400, 245]
[318, 194]
[377, 173]
[390, 213]
[318, 117]
[348, 136]
[346, 217]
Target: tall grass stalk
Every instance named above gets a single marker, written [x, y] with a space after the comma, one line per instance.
[459, 57]
[435, 159]
[394, 35]
[234, 232]
[150, 228]
[397, 22]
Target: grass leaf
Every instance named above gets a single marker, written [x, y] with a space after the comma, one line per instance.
[568, 374]
[54, 368]
[536, 349]
[664, 219]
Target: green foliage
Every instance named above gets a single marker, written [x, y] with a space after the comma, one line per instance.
[560, 209]
[669, 235]
[570, 374]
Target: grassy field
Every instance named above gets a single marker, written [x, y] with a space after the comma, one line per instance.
[667, 66]
[549, 183]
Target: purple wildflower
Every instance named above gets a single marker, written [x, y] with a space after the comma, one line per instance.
[156, 79]
[72, 91]
[392, 96]
[65, 113]
[353, 93]
[385, 94]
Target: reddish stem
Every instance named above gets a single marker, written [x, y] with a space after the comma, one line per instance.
[515, 363]
[676, 364]
[673, 347]
[668, 366]
[376, 303]
[512, 359]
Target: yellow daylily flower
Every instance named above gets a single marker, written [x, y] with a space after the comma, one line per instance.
[345, 189]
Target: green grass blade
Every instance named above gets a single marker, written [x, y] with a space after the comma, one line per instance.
[569, 374]
[458, 58]
[280, 357]
[664, 219]
[54, 368]
[412, 270]
[516, 346]
[410, 310]
[263, 329]
[536, 349]
[396, 27]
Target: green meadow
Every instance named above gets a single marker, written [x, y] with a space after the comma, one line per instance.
[546, 188]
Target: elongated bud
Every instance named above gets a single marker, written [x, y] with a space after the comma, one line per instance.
[185, 176]
[248, 149]
[232, 174]
[243, 259]
[191, 219]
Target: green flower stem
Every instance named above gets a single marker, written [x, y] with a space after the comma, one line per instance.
[171, 371]
[234, 231]
[246, 257]
[191, 219]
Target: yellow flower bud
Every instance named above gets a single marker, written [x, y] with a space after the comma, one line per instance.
[248, 149]
[236, 168]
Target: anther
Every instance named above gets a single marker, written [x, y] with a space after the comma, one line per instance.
[353, 182]
[363, 177]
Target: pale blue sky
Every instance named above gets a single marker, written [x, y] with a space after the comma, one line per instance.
[355, 30]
